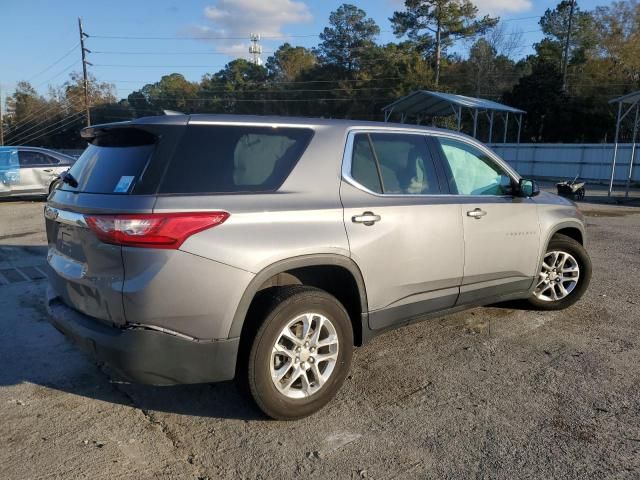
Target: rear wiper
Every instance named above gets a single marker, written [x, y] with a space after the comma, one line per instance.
[69, 179]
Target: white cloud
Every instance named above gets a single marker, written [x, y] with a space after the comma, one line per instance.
[503, 6]
[238, 18]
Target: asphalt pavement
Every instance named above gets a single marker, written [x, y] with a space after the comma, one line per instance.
[490, 393]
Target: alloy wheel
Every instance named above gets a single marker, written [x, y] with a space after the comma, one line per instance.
[558, 276]
[304, 355]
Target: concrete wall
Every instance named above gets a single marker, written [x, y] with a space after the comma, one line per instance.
[591, 162]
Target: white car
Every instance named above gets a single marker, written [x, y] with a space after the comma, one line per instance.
[30, 170]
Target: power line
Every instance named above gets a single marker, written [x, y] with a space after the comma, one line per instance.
[30, 137]
[58, 128]
[206, 37]
[54, 63]
[57, 74]
[38, 114]
[96, 52]
[520, 18]
[40, 123]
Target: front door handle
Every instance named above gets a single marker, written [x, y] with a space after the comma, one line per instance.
[368, 218]
[48, 170]
[476, 213]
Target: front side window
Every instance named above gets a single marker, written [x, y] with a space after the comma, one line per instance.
[394, 163]
[472, 171]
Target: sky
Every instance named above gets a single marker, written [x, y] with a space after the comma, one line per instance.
[39, 38]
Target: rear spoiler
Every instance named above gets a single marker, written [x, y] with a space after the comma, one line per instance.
[150, 125]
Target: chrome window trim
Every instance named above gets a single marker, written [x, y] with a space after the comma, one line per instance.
[348, 153]
[253, 124]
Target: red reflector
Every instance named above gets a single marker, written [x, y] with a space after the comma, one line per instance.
[155, 230]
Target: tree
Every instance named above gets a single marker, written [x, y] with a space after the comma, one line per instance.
[287, 63]
[618, 27]
[346, 39]
[555, 26]
[237, 88]
[437, 24]
[72, 91]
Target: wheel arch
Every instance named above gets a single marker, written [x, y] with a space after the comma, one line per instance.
[571, 228]
[306, 263]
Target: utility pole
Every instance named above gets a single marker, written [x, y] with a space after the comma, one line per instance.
[565, 65]
[84, 70]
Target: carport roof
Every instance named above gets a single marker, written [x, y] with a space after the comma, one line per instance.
[439, 104]
[632, 97]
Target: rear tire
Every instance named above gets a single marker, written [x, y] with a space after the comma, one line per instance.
[564, 275]
[301, 353]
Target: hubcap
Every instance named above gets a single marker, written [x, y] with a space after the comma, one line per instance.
[558, 277]
[304, 355]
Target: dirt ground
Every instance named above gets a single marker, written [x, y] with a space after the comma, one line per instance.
[498, 392]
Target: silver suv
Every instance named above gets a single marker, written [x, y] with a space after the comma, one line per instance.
[202, 248]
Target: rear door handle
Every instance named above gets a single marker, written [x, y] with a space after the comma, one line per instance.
[368, 218]
[476, 213]
[48, 170]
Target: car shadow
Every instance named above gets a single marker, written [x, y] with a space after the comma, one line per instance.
[33, 351]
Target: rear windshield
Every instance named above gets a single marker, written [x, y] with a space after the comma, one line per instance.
[231, 159]
[112, 163]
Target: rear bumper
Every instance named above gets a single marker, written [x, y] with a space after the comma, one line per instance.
[146, 356]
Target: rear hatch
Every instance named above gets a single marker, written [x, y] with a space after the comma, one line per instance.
[117, 173]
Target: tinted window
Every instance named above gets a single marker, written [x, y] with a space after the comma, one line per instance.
[404, 163]
[35, 159]
[113, 162]
[472, 171]
[363, 164]
[109, 169]
[221, 159]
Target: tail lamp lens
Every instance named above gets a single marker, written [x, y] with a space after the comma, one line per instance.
[156, 230]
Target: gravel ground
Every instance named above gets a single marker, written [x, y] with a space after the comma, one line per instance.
[495, 392]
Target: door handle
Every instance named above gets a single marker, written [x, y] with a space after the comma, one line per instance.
[48, 170]
[368, 218]
[476, 213]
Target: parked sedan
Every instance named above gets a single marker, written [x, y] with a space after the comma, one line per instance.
[30, 170]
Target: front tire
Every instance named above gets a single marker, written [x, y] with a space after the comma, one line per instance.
[564, 275]
[301, 353]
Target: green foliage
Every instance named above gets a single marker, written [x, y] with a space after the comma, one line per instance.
[349, 34]
[435, 25]
[555, 26]
[288, 63]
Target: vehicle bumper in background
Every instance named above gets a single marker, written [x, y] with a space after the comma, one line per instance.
[146, 356]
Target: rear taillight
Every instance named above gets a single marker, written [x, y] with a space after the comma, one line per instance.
[155, 230]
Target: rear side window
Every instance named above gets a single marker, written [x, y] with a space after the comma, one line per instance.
[393, 163]
[35, 159]
[112, 163]
[363, 164]
[231, 159]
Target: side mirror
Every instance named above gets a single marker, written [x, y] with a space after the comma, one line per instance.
[528, 188]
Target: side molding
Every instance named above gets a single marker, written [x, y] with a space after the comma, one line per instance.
[290, 264]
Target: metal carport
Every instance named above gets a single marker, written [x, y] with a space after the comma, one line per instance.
[626, 104]
[423, 103]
